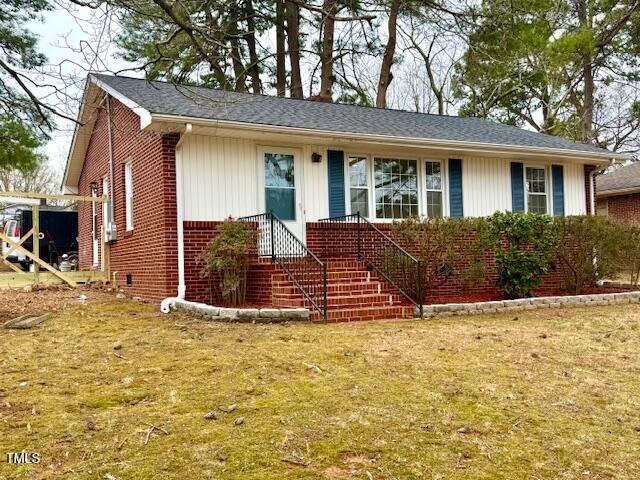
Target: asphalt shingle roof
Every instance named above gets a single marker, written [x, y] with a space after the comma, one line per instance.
[622, 178]
[199, 102]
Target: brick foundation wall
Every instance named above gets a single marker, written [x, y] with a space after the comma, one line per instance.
[197, 236]
[624, 207]
[328, 240]
[149, 252]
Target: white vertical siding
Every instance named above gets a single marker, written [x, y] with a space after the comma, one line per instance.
[316, 187]
[221, 178]
[574, 190]
[486, 186]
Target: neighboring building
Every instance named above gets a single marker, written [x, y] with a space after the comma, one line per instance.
[185, 158]
[618, 193]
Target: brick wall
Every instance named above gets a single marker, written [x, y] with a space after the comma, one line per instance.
[197, 236]
[624, 207]
[330, 240]
[149, 252]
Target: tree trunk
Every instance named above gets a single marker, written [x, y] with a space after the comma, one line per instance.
[386, 77]
[293, 39]
[281, 71]
[585, 18]
[239, 71]
[326, 54]
[589, 90]
[250, 38]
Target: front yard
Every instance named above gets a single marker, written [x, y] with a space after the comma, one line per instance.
[544, 394]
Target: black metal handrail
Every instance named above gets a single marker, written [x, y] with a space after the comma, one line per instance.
[307, 272]
[397, 266]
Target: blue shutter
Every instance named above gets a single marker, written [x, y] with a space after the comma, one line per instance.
[557, 177]
[455, 188]
[517, 187]
[335, 166]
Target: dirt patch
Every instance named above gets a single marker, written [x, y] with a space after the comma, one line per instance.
[16, 302]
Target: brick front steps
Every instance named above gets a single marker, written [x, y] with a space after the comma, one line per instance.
[353, 294]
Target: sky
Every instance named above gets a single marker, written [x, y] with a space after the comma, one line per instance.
[61, 37]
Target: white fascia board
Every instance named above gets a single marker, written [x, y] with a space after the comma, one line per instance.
[143, 113]
[479, 147]
[75, 134]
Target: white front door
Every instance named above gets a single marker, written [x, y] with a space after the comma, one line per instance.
[280, 186]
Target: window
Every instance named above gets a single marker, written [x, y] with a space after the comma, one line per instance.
[280, 185]
[396, 188]
[536, 185]
[433, 175]
[359, 185]
[128, 192]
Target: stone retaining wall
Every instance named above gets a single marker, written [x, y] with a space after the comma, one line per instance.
[257, 315]
[503, 306]
[274, 315]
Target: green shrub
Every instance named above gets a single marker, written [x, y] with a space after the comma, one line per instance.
[524, 246]
[593, 248]
[229, 255]
[438, 244]
[630, 258]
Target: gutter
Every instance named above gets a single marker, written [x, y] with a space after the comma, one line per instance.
[182, 286]
[620, 191]
[480, 147]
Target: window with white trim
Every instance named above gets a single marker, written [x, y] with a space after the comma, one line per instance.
[433, 176]
[359, 185]
[396, 188]
[128, 192]
[537, 186]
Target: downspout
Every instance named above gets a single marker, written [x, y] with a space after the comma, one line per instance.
[168, 303]
[182, 286]
[111, 168]
[592, 193]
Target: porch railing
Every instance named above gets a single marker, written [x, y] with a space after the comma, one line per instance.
[307, 272]
[397, 266]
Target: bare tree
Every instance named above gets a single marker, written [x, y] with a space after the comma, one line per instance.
[387, 60]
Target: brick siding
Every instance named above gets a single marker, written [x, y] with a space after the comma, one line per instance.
[149, 252]
[330, 240]
[624, 207]
[197, 236]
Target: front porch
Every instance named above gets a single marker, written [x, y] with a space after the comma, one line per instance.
[349, 271]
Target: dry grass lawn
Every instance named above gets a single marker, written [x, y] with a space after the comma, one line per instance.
[551, 394]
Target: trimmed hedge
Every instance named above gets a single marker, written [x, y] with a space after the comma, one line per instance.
[525, 246]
